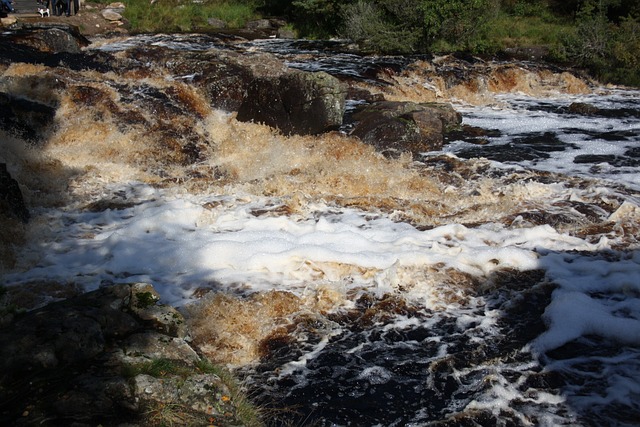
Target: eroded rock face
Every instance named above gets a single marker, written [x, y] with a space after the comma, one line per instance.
[296, 103]
[85, 353]
[394, 127]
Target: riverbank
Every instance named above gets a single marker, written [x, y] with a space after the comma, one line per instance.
[90, 20]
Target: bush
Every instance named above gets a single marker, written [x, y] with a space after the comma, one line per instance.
[460, 23]
[608, 50]
[366, 24]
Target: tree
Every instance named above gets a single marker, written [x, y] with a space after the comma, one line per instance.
[459, 22]
[320, 18]
[389, 26]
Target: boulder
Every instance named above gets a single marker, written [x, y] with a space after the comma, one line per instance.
[27, 119]
[394, 127]
[11, 201]
[259, 87]
[50, 38]
[583, 109]
[102, 358]
[296, 102]
[223, 76]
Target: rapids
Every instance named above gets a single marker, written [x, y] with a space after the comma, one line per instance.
[496, 282]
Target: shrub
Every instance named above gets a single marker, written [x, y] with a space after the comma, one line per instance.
[608, 50]
[458, 22]
[366, 24]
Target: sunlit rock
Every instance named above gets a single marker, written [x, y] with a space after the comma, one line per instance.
[51, 38]
[163, 318]
[404, 126]
[111, 15]
[296, 103]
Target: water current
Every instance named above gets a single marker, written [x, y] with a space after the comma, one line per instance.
[510, 298]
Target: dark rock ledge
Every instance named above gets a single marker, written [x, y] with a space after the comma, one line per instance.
[111, 357]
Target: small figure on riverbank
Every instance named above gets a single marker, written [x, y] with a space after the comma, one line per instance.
[7, 6]
[43, 11]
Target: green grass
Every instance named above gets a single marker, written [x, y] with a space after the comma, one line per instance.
[512, 31]
[174, 16]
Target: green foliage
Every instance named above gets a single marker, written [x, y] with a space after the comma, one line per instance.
[175, 16]
[608, 50]
[369, 25]
[317, 18]
[507, 30]
[461, 23]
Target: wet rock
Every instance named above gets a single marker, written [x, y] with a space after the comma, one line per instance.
[51, 38]
[471, 134]
[11, 201]
[404, 126]
[582, 109]
[296, 102]
[222, 76]
[526, 147]
[52, 45]
[25, 118]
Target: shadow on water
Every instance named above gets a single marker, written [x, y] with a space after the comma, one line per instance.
[397, 363]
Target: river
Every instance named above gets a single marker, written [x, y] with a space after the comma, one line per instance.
[495, 282]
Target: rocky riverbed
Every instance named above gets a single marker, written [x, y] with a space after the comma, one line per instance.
[171, 201]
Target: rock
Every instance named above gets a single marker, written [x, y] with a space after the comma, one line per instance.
[28, 119]
[583, 109]
[297, 102]
[222, 76]
[154, 345]
[195, 391]
[394, 127]
[286, 33]
[163, 318]
[116, 5]
[216, 23]
[89, 360]
[7, 21]
[11, 200]
[111, 15]
[259, 24]
[50, 38]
